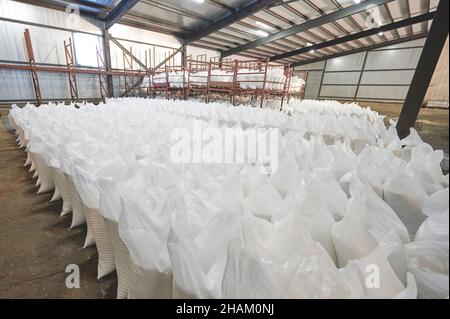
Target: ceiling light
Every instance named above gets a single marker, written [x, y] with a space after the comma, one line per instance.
[199, 1]
[312, 51]
[262, 33]
[309, 44]
[380, 33]
[357, 1]
[263, 25]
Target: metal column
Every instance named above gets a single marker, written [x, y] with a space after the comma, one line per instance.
[425, 69]
[321, 79]
[102, 77]
[107, 59]
[361, 75]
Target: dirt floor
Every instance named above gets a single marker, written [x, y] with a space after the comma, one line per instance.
[36, 245]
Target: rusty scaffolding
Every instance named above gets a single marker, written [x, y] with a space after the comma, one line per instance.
[195, 78]
[72, 75]
[32, 67]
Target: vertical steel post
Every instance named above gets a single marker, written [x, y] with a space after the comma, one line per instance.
[425, 69]
[107, 59]
[321, 79]
[361, 75]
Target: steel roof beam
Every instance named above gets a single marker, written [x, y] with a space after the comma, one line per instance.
[329, 18]
[362, 49]
[228, 20]
[355, 36]
[118, 12]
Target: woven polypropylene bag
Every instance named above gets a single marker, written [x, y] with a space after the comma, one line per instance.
[407, 214]
[45, 175]
[78, 213]
[106, 264]
[429, 263]
[28, 160]
[56, 195]
[406, 198]
[121, 258]
[148, 284]
[61, 184]
[178, 293]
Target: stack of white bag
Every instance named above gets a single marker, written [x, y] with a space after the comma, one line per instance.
[428, 254]
[247, 79]
[313, 229]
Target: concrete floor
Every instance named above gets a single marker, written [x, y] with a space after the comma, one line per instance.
[36, 245]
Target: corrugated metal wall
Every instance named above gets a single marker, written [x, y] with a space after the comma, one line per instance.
[437, 95]
[48, 29]
[382, 74]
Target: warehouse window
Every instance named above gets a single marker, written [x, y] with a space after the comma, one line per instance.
[85, 48]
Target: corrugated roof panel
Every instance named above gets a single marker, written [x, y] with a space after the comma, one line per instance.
[236, 33]
[205, 9]
[305, 9]
[433, 4]
[299, 40]
[247, 30]
[288, 14]
[418, 7]
[146, 9]
[344, 23]
[390, 35]
[365, 41]
[221, 40]
[399, 9]
[362, 19]
[385, 18]
[417, 28]
[308, 37]
[326, 6]
[281, 46]
[336, 30]
[403, 31]
[270, 19]
[320, 33]
[172, 16]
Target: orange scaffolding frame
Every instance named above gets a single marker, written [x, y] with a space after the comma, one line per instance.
[70, 60]
[217, 86]
[210, 87]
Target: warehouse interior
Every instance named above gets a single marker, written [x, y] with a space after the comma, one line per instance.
[358, 90]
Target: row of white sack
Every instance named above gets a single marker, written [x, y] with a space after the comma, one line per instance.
[416, 163]
[265, 264]
[380, 168]
[360, 130]
[331, 106]
[275, 79]
[352, 122]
